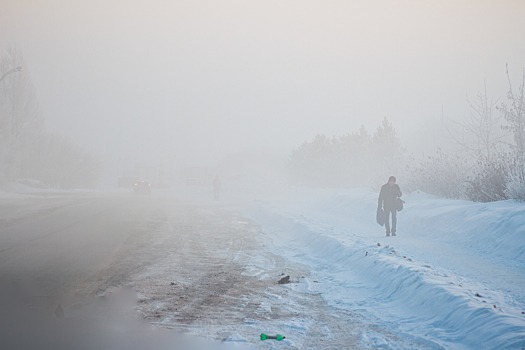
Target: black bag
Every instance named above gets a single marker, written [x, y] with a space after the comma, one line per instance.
[399, 204]
[380, 216]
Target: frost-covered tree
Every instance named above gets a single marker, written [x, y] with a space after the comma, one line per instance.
[483, 127]
[352, 160]
[19, 110]
[354, 157]
[386, 151]
[26, 151]
[514, 113]
[312, 161]
[483, 142]
[20, 119]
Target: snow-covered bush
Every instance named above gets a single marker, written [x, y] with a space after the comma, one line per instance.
[515, 182]
[487, 180]
[442, 174]
[515, 189]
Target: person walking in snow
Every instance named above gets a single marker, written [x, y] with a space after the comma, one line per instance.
[388, 196]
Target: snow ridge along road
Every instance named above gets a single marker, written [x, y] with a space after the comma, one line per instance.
[453, 278]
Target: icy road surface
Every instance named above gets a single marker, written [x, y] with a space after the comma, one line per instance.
[66, 269]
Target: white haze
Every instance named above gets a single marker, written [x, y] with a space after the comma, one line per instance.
[192, 82]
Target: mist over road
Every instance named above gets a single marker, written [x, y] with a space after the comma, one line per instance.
[168, 265]
[50, 245]
[118, 271]
[59, 254]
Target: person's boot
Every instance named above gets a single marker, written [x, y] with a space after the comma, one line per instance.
[393, 233]
[387, 234]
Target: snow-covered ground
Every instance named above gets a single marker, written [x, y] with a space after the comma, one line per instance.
[454, 276]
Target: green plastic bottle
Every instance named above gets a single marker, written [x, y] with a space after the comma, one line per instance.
[277, 337]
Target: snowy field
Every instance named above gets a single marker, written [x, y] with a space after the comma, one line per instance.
[454, 276]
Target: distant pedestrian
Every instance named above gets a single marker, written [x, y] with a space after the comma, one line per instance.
[216, 187]
[388, 197]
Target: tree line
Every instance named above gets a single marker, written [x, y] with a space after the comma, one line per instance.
[489, 164]
[355, 159]
[27, 152]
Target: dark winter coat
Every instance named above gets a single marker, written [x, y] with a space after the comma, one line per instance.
[388, 196]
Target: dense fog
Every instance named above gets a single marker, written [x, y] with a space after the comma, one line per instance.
[180, 169]
[176, 85]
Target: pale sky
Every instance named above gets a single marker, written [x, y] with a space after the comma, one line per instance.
[203, 79]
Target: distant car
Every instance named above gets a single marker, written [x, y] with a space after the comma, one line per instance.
[142, 187]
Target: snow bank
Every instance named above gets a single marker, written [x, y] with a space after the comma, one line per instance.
[454, 275]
